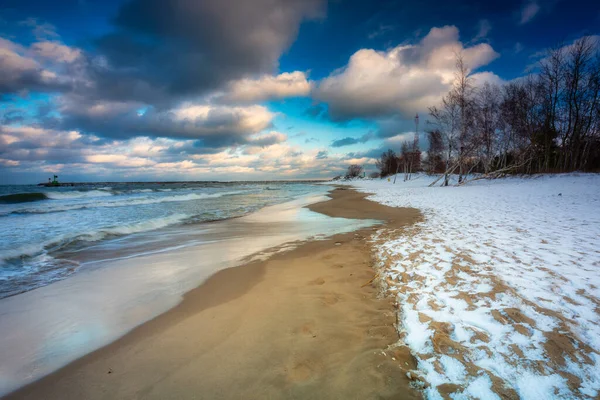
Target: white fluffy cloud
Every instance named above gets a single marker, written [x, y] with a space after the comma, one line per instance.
[36, 136]
[119, 160]
[482, 77]
[265, 155]
[268, 87]
[56, 51]
[37, 148]
[44, 66]
[404, 79]
[18, 71]
[216, 119]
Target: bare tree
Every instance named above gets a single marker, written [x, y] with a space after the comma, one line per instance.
[463, 95]
[581, 99]
[487, 123]
[548, 121]
[435, 158]
[354, 171]
[446, 119]
[405, 160]
[552, 82]
[388, 163]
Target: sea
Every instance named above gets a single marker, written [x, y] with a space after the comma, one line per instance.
[81, 266]
[46, 231]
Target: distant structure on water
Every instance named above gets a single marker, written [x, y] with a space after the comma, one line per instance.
[53, 182]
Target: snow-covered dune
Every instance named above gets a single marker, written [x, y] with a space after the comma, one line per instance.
[499, 286]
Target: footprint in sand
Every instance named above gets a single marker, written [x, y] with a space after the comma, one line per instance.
[307, 329]
[299, 373]
[318, 281]
[302, 371]
[331, 298]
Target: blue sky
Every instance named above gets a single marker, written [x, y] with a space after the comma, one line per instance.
[228, 89]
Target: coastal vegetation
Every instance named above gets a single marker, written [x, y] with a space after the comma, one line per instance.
[354, 171]
[546, 122]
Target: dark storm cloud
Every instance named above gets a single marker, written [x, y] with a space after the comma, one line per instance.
[371, 153]
[322, 155]
[12, 116]
[390, 127]
[46, 155]
[394, 143]
[159, 55]
[42, 67]
[192, 148]
[215, 126]
[188, 47]
[18, 73]
[267, 139]
[217, 132]
[47, 146]
[347, 141]
[30, 80]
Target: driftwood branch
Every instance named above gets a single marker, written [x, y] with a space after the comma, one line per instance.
[497, 173]
[451, 170]
[371, 280]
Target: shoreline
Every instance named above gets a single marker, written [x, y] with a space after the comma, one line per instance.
[45, 329]
[207, 324]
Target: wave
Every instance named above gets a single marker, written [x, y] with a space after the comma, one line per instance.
[22, 198]
[136, 227]
[39, 271]
[40, 196]
[123, 202]
[78, 194]
[103, 233]
[169, 199]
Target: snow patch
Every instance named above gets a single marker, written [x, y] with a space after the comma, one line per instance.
[504, 276]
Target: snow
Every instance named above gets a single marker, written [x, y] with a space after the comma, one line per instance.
[480, 388]
[453, 369]
[417, 333]
[505, 276]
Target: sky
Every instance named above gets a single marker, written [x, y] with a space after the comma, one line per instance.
[155, 90]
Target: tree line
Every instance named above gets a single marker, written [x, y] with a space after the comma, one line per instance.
[543, 123]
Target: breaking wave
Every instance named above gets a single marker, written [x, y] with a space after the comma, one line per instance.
[61, 242]
[112, 202]
[40, 196]
[22, 198]
[78, 194]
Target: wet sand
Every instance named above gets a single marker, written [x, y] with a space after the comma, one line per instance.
[303, 324]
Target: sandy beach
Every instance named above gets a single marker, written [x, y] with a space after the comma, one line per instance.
[305, 323]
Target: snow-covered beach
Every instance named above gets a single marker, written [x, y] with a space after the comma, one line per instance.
[498, 288]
